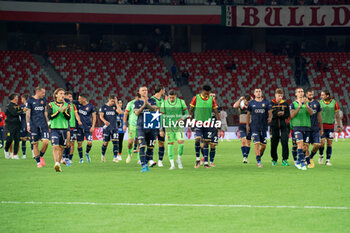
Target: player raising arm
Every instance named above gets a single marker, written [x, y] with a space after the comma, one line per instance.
[59, 116]
[300, 113]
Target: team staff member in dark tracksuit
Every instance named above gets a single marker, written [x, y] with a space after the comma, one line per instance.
[13, 125]
[279, 127]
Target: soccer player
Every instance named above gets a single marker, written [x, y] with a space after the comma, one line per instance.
[87, 114]
[201, 108]
[214, 136]
[13, 126]
[158, 97]
[259, 114]
[24, 135]
[174, 111]
[300, 113]
[36, 118]
[121, 132]
[73, 122]
[145, 136]
[59, 116]
[330, 113]
[2, 123]
[279, 127]
[245, 136]
[316, 129]
[131, 125]
[108, 115]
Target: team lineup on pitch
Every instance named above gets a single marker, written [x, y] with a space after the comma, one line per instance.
[164, 116]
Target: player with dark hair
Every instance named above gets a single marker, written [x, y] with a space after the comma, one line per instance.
[201, 108]
[174, 110]
[59, 115]
[242, 105]
[36, 118]
[73, 129]
[24, 135]
[130, 122]
[330, 113]
[13, 125]
[279, 127]
[146, 136]
[108, 115]
[121, 132]
[158, 97]
[300, 113]
[87, 114]
[214, 136]
[316, 129]
[260, 115]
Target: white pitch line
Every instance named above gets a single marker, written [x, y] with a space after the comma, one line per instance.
[175, 205]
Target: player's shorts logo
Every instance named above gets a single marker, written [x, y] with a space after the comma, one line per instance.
[151, 120]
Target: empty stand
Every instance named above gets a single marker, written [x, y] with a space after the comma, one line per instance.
[99, 74]
[21, 73]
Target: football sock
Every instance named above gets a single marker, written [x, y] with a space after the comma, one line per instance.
[115, 148]
[205, 152]
[129, 151]
[180, 149]
[70, 157]
[161, 153]
[149, 154]
[307, 159]
[37, 159]
[312, 154]
[197, 147]
[88, 148]
[171, 151]
[104, 148]
[135, 145]
[301, 157]
[31, 146]
[258, 158]
[243, 151]
[295, 154]
[329, 152]
[212, 154]
[321, 151]
[42, 154]
[24, 148]
[80, 151]
[66, 152]
[142, 155]
[247, 151]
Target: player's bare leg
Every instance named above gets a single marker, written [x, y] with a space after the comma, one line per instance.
[56, 151]
[257, 150]
[44, 145]
[71, 152]
[130, 144]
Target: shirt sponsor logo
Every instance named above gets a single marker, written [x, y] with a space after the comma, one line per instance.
[259, 110]
[41, 108]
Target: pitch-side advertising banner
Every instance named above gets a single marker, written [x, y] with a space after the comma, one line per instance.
[232, 133]
[286, 16]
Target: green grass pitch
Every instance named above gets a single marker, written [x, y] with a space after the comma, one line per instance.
[229, 183]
